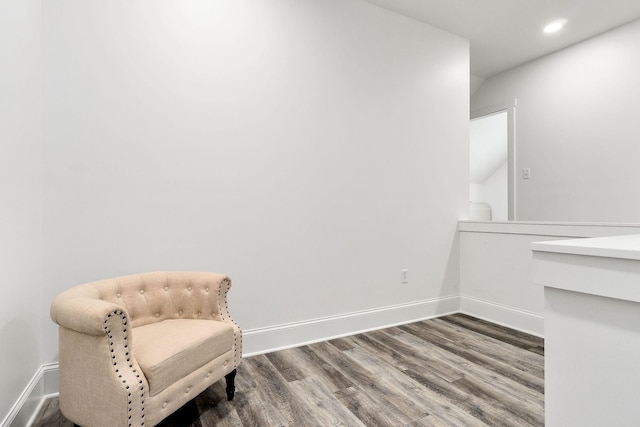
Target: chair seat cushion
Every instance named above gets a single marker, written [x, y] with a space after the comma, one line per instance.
[169, 350]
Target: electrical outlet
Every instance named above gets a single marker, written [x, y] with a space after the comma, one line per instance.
[405, 277]
[526, 173]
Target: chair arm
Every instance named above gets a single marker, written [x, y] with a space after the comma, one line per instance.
[222, 299]
[83, 314]
[225, 316]
[98, 372]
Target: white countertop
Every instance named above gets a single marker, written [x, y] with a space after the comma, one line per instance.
[624, 247]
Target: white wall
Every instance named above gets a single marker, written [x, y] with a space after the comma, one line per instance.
[493, 191]
[495, 279]
[495, 268]
[577, 129]
[20, 195]
[496, 193]
[310, 149]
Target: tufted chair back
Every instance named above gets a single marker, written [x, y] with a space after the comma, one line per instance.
[158, 296]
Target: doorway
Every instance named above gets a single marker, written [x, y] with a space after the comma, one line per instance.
[492, 164]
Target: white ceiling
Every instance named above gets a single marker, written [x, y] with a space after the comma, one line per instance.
[506, 33]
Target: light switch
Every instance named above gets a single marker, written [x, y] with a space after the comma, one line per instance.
[526, 173]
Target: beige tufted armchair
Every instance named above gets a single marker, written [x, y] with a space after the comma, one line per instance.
[134, 349]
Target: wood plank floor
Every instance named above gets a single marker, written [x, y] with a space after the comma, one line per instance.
[451, 371]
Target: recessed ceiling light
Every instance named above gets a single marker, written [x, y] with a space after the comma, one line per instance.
[555, 26]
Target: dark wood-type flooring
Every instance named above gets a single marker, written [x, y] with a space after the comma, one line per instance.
[451, 371]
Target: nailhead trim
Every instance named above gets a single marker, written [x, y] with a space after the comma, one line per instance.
[237, 338]
[129, 362]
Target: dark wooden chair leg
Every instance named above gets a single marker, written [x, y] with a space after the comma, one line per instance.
[231, 387]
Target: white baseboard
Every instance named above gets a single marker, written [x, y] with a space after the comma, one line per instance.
[259, 341]
[265, 340]
[43, 382]
[514, 318]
